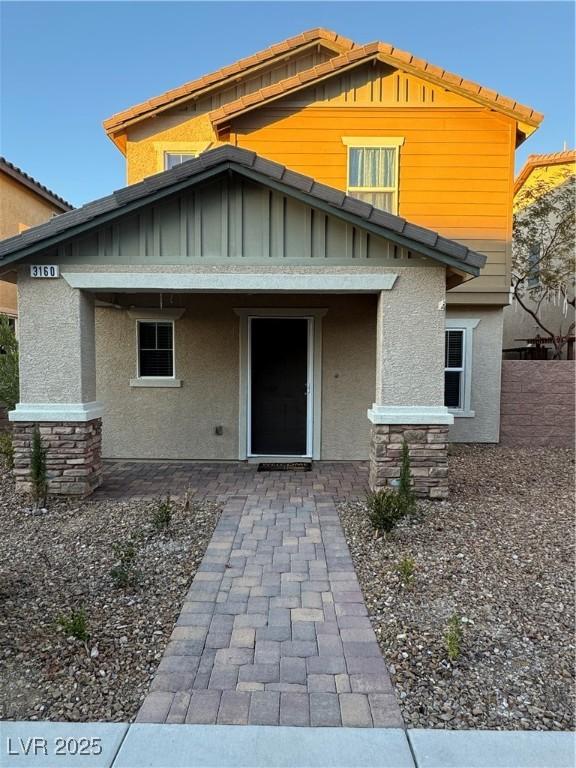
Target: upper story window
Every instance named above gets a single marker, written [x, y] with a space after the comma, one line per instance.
[373, 170]
[172, 159]
[169, 154]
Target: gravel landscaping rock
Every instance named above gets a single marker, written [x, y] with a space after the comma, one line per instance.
[500, 556]
[60, 560]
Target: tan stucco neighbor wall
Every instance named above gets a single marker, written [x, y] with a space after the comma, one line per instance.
[180, 422]
[486, 371]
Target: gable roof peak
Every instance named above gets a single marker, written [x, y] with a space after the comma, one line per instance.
[387, 54]
[146, 108]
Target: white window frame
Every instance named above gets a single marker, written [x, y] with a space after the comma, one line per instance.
[375, 142]
[467, 325]
[153, 316]
[164, 148]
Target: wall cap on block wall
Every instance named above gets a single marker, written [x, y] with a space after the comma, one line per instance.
[56, 411]
[409, 414]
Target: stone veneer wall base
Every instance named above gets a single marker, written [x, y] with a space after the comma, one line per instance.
[428, 447]
[73, 459]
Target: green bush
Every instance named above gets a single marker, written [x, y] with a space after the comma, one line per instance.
[405, 484]
[124, 573]
[7, 449]
[75, 624]
[453, 637]
[388, 506]
[406, 569]
[38, 472]
[385, 509]
[9, 377]
[162, 516]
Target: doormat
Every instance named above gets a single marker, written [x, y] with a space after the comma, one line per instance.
[296, 466]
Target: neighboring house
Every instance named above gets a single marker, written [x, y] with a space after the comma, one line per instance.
[24, 203]
[321, 279]
[542, 174]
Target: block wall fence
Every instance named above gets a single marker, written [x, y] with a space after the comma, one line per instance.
[537, 403]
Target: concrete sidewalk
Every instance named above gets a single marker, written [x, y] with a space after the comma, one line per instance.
[119, 745]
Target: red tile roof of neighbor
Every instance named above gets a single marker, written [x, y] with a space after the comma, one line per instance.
[303, 40]
[348, 55]
[29, 181]
[540, 161]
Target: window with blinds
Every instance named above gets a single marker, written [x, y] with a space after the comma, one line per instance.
[373, 176]
[454, 369]
[171, 159]
[155, 349]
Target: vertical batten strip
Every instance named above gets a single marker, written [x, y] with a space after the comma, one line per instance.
[183, 225]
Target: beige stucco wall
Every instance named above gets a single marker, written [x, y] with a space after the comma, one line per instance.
[56, 336]
[486, 371]
[180, 422]
[410, 346]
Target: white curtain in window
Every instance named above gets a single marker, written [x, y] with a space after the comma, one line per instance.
[372, 167]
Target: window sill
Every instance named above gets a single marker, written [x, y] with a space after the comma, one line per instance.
[156, 382]
[462, 414]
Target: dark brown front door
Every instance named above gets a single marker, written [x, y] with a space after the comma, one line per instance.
[279, 381]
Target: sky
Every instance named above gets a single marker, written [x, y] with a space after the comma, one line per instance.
[66, 66]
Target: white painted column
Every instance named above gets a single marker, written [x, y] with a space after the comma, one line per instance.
[409, 399]
[410, 350]
[57, 386]
[57, 352]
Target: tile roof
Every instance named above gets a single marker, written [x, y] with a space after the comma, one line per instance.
[540, 161]
[388, 55]
[29, 181]
[340, 43]
[225, 157]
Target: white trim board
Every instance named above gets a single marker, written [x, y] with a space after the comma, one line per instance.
[56, 411]
[409, 414]
[233, 282]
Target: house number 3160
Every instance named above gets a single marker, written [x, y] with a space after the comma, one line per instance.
[44, 270]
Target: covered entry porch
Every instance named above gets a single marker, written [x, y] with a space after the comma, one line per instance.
[231, 309]
[249, 366]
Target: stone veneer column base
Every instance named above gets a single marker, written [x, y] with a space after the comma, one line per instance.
[73, 459]
[428, 446]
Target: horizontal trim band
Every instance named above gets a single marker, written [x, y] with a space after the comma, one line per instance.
[409, 414]
[56, 411]
[232, 282]
[157, 382]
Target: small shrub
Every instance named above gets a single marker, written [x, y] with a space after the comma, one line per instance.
[453, 637]
[385, 509]
[124, 573]
[405, 489]
[162, 516]
[7, 449]
[38, 473]
[75, 624]
[9, 377]
[406, 570]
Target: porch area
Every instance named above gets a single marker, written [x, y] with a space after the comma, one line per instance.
[243, 374]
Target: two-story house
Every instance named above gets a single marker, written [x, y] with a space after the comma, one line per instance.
[309, 262]
[24, 203]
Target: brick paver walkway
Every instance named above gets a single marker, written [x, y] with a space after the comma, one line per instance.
[274, 629]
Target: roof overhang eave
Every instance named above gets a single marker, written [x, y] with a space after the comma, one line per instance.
[470, 266]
